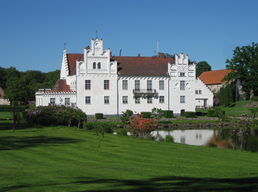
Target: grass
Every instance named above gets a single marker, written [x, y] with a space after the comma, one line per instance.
[67, 159]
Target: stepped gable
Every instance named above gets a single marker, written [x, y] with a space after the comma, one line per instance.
[72, 58]
[214, 77]
[143, 66]
[61, 86]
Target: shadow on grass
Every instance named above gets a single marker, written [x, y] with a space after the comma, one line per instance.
[170, 183]
[7, 125]
[16, 143]
[174, 183]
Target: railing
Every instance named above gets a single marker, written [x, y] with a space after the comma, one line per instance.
[144, 91]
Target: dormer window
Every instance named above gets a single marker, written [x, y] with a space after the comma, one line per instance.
[94, 65]
[99, 65]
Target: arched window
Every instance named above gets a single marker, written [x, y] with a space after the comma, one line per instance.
[99, 65]
[94, 65]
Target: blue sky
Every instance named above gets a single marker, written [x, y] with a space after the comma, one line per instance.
[33, 32]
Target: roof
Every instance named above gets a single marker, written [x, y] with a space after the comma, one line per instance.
[214, 77]
[143, 66]
[71, 59]
[61, 86]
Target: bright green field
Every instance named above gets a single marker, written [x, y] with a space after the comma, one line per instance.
[67, 159]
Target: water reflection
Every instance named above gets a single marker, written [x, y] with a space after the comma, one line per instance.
[190, 137]
[224, 138]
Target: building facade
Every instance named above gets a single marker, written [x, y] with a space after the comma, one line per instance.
[97, 82]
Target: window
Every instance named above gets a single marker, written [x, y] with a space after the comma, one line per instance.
[137, 85]
[106, 99]
[182, 99]
[125, 99]
[137, 100]
[99, 65]
[87, 84]
[196, 91]
[149, 85]
[181, 74]
[161, 99]
[182, 139]
[182, 85]
[52, 101]
[67, 101]
[200, 91]
[106, 84]
[87, 100]
[149, 99]
[125, 85]
[161, 85]
[94, 65]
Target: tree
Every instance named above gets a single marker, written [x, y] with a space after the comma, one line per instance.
[51, 78]
[244, 66]
[2, 77]
[201, 67]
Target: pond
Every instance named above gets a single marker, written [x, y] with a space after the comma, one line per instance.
[226, 138]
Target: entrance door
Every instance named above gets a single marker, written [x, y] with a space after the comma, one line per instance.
[182, 112]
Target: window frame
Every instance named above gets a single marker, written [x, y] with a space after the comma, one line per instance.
[161, 99]
[99, 65]
[106, 99]
[137, 85]
[94, 65]
[67, 103]
[125, 99]
[87, 84]
[149, 100]
[149, 85]
[182, 98]
[125, 85]
[137, 100]
[182, 85]
[51, 101]
[161, 85]
[87, 100]
[106, 84]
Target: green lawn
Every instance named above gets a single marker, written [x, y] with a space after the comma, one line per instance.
[67, 159]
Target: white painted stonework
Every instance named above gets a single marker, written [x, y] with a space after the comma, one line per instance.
[105, 92]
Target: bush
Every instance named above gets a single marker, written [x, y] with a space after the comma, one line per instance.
[212, 144]
[189, 114]
[122, 132]
[146, 114]
[165, 122]
[126, 116]
[211, 113]
[99, 115]
[255, 98]
[198, 113]
[107, 127]
[169, 138]
[9, 108]
[88, 125]
[168, 114]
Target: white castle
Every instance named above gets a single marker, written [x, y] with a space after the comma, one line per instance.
[97, 82]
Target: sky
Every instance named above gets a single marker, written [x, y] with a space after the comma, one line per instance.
[33, 32]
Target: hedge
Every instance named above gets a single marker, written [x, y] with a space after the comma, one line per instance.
[99, 115]
[168, 113]
[255, 98]
[211, 113]
[146, 114]
[189, 114]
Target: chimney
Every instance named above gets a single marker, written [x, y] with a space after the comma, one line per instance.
[162, 56]
[110, 54]
[138, 54]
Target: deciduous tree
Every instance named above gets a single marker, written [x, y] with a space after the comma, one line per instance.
[201, 67]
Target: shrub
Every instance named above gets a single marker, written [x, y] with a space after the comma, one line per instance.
[165, 122]
[146, 114]
[198, 113]
[255, 98]
[99, 115]
[211, 113]
[189, 114]
[107, 127]
[88, 125]
[216, 101]
[122, 132]
[156, 113]
[126, 116]
[169, 138]
[168, 113]
[212, 144]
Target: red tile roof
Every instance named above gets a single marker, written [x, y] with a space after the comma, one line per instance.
[72, 62]
[146, 66]
[61, 86]
[214, 77]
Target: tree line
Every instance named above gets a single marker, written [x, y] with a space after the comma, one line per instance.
[21, 86]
